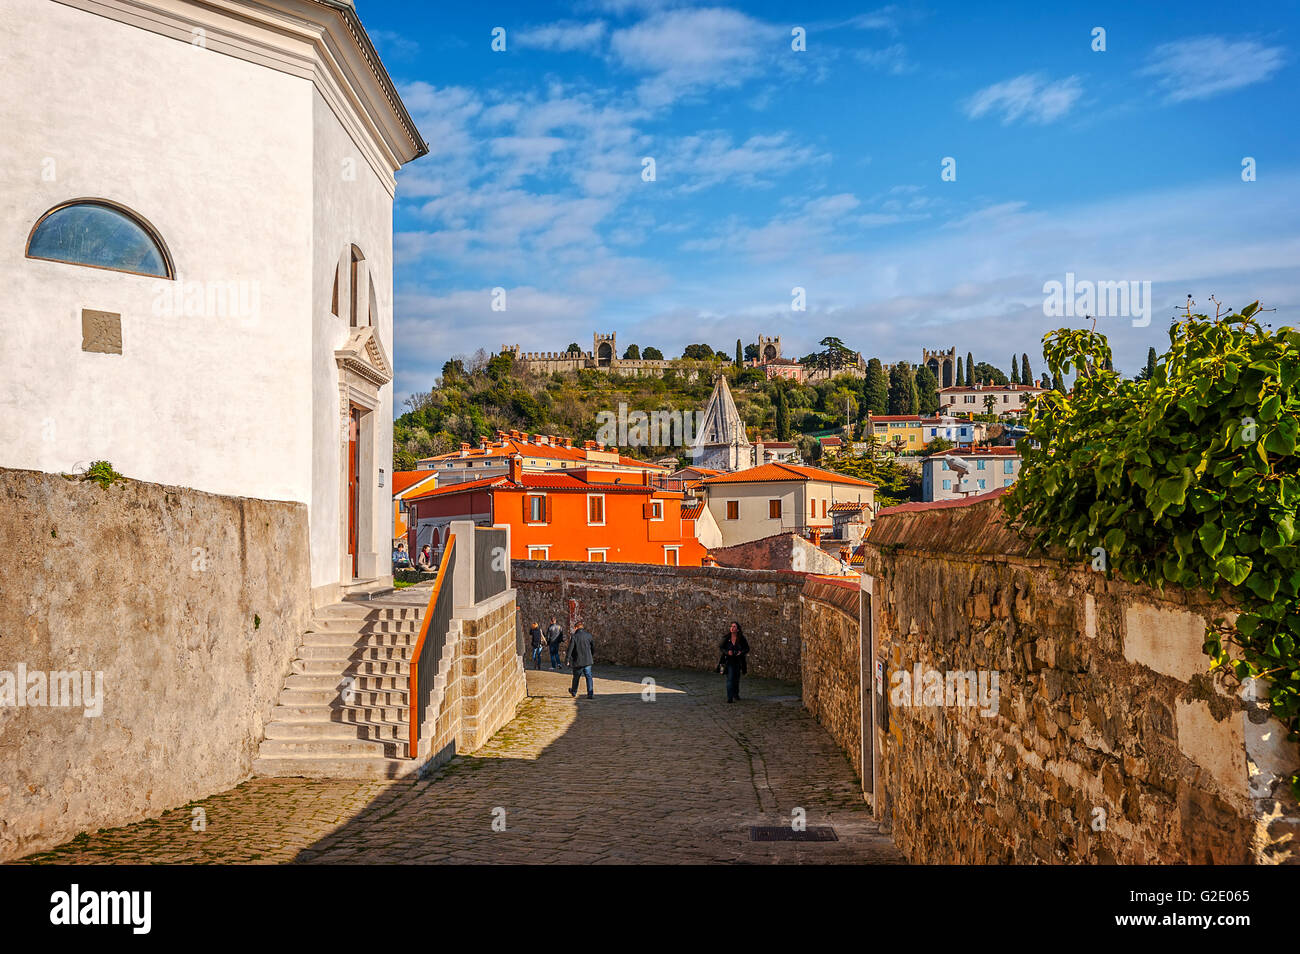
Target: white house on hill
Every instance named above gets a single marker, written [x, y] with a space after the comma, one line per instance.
[197, 255]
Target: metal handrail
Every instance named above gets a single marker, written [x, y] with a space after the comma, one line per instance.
[424, 661]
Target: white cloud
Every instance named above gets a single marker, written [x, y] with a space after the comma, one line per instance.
[1030, 97]
[1205, 66]
[562, 37]
[892, 59]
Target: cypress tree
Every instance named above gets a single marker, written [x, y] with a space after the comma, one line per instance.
[1015, 370]
[740, 360]
[1151, 363]
[927, 390]
[782, 416]
[970, 370]
[875, 389]
[1026, 376]
[957, 379]
[898, 390]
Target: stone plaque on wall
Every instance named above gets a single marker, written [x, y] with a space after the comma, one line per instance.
[101, 331]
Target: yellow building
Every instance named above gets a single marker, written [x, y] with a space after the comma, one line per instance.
[908, 427]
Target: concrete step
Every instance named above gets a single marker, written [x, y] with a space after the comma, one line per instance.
[309, 731]
[342, 655]
[343, 714]
[341, 683]
[360, 767]
[347, 624]
[357, 698]
[351, 667]
[364, 611]
[330, 748]
[361, 641]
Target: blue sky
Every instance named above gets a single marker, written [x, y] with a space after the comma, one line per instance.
[821, 169]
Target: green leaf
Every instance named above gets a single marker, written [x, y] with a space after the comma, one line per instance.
[1234, 569]
[1212, 537]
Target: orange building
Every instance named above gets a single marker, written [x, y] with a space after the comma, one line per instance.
[407, 483]
[585, 514]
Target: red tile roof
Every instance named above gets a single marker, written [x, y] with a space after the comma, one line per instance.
[777, 471]
[551, 481]
[895, 417]
[992, 387]
[508, 447]
[692, 510]
[999, 451]
[404, 479]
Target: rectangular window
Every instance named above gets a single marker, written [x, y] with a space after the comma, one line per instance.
[596, 556]
[1008, 481]
[733, 509]
[812, 508]
[981, 483]
[596, 510]
[774, 509]
[656, 510]
[536, 509]
[979, 464]
[539, 553]
[1008, 466]
[947, 485]
[824, 502]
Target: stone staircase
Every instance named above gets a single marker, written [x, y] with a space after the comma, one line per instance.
[344, 709]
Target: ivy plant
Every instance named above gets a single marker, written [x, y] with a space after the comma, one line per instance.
[1187, 477]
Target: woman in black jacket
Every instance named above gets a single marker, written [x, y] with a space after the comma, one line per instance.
[734, 649]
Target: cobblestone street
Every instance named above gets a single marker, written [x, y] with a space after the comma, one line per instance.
[605, 781]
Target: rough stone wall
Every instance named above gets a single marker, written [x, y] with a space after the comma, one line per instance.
[668, 617]
[1110, 743]
[830, 661]
[192, 606]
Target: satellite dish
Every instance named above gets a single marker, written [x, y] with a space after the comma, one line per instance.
[956, 463]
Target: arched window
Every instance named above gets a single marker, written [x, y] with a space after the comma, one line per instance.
[99, 234]
[356, 315]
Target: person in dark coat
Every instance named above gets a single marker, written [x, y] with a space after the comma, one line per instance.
[554, 637]
[734, 649]
[580, 657]
[535, 644]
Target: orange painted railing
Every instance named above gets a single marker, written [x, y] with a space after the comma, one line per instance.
[424, 661]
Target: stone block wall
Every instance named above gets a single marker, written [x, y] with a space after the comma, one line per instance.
[1110, 743]
[668, 617]
[190, 604]
[491, 672]
[480, 680]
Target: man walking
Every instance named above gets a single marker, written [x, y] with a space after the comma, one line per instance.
[554, 636]
[581, 647]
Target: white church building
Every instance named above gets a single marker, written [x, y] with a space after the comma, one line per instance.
[197, 204]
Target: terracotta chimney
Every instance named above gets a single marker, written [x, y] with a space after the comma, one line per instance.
[516, 469]
[816, 536]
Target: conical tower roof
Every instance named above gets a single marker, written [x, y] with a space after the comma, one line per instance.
[722, 423]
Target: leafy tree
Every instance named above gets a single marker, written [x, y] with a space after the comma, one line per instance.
[927, 390]
[875, 388]
[895, 483]
[573, 346]
[970, 370]
[751, 352]
[988, 374]
[1149, 371]
[632, 353]
[697, 352]
[1189, 477]
[652, 354]
[453, 370]
[990, 402]
[938, 446]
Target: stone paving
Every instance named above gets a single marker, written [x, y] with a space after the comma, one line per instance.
[612, 780]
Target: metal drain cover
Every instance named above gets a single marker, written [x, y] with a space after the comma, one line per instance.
[786, 833]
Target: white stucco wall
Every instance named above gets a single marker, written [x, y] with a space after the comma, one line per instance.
[215, 153]
[754, 522]
[252, 181]
[350, 206]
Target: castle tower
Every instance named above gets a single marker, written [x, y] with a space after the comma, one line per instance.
[604, 349]
[942, 364]
[721, 442]
[769, 349]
